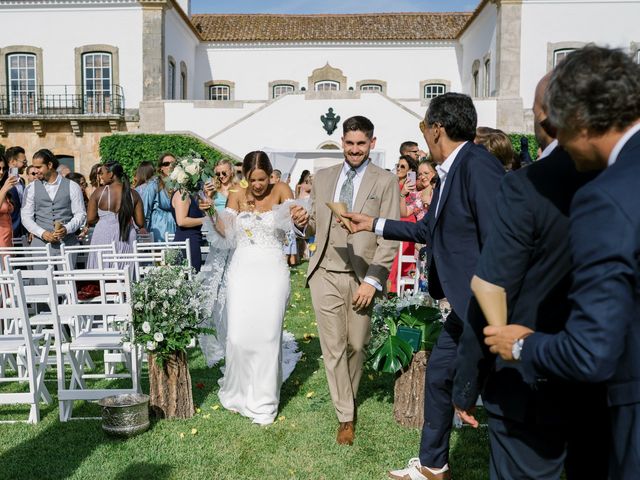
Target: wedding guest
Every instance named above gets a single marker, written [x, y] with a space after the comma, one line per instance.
[7, 184]
[94, 179]
[63, 170]
[16, 158]
[113, 210]
[454, 231]
[144, 173]
[303, 187]
[425, 183]
[156, 200]
[347, 272]
[224, 182]
[53, 209]
[593, 100]
[32, 174]
[410, 149]
[533, 433]
[276, 176]
[187, 211]
[82, 182]
[497, 143]
[409, 199]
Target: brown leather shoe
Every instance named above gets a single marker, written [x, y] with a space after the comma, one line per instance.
[346, 433]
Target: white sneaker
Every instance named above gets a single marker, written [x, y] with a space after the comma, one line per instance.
[415, 471]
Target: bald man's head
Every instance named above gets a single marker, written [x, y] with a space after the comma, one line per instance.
[544, 132]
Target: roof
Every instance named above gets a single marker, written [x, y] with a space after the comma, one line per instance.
[352, 27]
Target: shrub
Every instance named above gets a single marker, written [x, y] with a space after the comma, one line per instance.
[533, 143]
[130, 150]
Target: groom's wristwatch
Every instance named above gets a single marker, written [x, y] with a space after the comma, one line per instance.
[516, 349]
[373, 224]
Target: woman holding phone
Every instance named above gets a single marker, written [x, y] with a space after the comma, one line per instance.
[7, 182]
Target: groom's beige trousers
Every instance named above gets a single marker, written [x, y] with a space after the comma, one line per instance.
[344, 334]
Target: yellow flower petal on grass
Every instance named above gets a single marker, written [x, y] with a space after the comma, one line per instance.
[215, 407]
[181, 435]
[198, 410]
[310, 394]
[370, 377]
[281, 418]
[194, 431]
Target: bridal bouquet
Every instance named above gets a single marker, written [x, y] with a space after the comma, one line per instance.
[168, 311]
[189, 175]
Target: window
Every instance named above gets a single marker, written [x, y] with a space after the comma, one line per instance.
[432, 90]
[476, 81]
[96, 69]
[327, 85]
[183, 86]
[219, 92]
[282, 89]
[487, 78]
[371, 87]
[171, 81]
[559, 55]
[22, 82]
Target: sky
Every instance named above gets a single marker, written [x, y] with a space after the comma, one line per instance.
[330, 6]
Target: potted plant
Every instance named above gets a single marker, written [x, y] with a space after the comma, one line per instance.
[168, 310]
[404, 330]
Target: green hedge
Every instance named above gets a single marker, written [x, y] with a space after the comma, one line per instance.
[1, 149]
[533, 143]
[131, 150]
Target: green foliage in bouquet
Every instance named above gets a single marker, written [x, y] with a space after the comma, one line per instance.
[168, 311]
[389, 352]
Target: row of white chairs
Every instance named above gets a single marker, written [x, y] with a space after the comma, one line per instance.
[75, 330]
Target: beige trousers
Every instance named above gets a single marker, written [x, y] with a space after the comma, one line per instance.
[344, 333]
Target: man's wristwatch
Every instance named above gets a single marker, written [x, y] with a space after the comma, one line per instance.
[373, 224]
[516, 349]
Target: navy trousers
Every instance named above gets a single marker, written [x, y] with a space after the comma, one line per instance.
[438, 406]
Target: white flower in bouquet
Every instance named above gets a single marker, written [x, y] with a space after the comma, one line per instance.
[146, 327]
[192, 169]
[151, 346]
[179, 175]
[158, 336]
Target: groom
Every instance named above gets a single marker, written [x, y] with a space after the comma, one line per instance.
[348, 270]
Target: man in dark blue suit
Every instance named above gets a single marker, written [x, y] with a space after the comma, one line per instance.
[527, 260]
[454, 231]
[593, 100]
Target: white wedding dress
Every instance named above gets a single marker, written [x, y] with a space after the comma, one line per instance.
[255, 300]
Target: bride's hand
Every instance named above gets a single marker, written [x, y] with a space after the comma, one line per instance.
[299, 216]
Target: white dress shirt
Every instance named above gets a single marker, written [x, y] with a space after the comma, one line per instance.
[621, 143]
[443, 171]
[550, 148]
[27, 213]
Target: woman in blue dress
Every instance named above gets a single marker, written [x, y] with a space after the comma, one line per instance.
[157, 203]
[224, 182]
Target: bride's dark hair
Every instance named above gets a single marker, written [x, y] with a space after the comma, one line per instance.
[257, 160]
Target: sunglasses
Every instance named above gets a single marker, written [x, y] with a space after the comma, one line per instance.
[401, 167]
[167, 164]
[33, 174]
[221, 174]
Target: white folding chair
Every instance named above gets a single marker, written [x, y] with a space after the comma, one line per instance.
[26, 251]
[144, 237]
[82, 252]
[20, 241]
[27, 350]
[139, 263]
[403, 281]
[181, 246]
[168, 237]
[93, 339]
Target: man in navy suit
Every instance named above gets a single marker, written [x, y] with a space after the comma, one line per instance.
[593, 100]
[454, 231]
[527, 259]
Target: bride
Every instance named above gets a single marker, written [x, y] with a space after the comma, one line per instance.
[257, 291]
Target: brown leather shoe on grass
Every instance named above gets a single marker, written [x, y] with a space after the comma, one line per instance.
[346, 433]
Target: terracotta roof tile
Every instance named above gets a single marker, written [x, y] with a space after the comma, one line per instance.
[291, 28]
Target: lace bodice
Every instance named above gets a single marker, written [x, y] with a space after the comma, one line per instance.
[258, 229]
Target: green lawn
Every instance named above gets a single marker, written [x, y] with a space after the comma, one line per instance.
[217, 444]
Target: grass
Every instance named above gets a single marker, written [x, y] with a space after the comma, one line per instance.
[216, 444]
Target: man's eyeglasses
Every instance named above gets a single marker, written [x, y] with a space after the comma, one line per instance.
[166, 164]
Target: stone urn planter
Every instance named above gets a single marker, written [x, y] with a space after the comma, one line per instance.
[125, 415]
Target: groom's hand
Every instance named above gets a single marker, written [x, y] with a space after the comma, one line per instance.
[364, 295]
[359, 222]
[299, 216]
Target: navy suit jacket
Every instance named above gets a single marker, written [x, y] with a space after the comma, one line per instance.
[455, 237]
[601, 340]
[528, 254]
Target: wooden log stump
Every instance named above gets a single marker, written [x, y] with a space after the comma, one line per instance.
[170, 387]
[408, 392]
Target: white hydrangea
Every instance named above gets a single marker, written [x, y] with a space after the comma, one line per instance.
[158, 336]
[146, 327]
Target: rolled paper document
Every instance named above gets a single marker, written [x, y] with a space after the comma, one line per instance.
[57, 225]
[338, 209]
[492, 299]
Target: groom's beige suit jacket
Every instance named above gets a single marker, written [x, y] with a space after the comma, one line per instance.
[364, 253]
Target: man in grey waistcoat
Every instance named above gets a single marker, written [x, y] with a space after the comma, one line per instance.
[53, 209]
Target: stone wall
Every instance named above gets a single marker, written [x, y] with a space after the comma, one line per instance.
[60, 139]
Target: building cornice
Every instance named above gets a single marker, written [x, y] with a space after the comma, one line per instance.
[65, 3]
[334, 43]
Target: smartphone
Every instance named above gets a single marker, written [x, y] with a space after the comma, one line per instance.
[411, 177]
[13, 171]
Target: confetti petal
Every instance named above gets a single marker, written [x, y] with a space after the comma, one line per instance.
[310, 394]
[194, 431]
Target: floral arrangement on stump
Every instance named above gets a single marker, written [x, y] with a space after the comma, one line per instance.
[168, 310]
[403, 333]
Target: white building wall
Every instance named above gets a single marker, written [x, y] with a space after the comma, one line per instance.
[402, 65]
[58, 30]
[609, 23]
[180, 44]
[478, 42]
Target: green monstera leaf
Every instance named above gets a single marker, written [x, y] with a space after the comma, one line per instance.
[393, 355]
